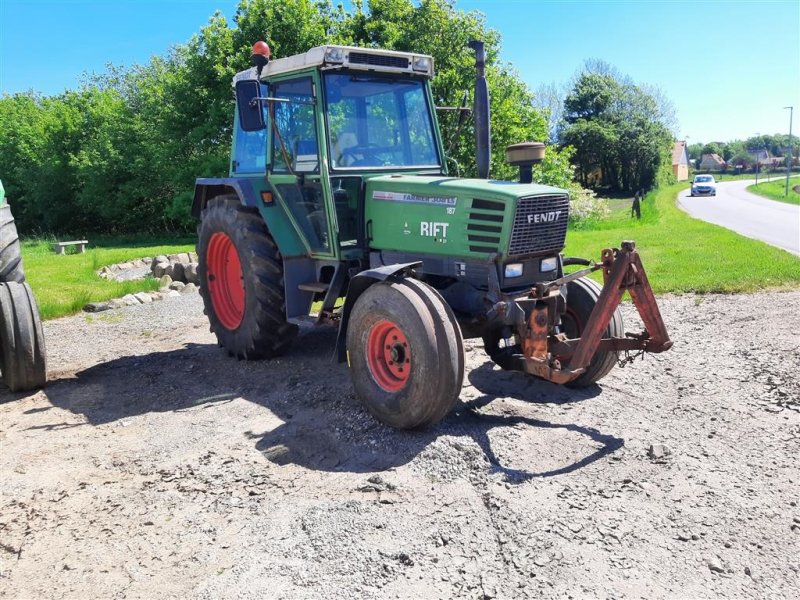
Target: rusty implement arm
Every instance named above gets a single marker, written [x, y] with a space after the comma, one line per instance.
[622, 271]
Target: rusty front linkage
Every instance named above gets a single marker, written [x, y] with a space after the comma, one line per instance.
[558, 359]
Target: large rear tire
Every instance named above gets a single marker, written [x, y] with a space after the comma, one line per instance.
[582, 295]
[10, 255]
[241, 280]
[405, 355]
[23, 359]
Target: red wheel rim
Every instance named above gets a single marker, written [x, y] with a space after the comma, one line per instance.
[225, 281]
[389, 356]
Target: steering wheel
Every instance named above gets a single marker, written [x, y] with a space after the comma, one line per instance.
[369, 155]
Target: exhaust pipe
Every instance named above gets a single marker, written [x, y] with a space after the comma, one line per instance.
[481, 111]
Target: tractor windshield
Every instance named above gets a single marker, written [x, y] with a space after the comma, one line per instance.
[378, 122]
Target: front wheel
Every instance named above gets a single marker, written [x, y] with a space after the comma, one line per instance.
[405, 353]
[582, 296]
[241, 280]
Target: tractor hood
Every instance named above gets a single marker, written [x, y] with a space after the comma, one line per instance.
[471, 218]
[454, 186]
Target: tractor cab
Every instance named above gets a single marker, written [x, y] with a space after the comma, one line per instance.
[315, 126]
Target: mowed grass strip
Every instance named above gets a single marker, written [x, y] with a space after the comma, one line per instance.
[683, 254]
[64, 284]
[775, 189]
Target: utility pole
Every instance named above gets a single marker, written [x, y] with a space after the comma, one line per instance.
[789, 159]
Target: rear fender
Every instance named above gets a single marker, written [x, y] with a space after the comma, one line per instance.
[207, 188]
[358, 285]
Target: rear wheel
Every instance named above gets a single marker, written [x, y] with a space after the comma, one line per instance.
[582, 295]
[241, 280]
[22, 352]
[405, 355]
[10, 256]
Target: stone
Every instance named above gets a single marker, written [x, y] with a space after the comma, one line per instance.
[160, 269]
[193, 257]
[96, 307]
[173, 293]
[715, 565]
[184, 258]
[164, 281]
[658, 451]
[125, 266]
[129, 300]
[177, 286]
[188, 288]
[147, 260]
[138, 263]
[117, 303]
[177, 271]
[143, 298]
[190, 273]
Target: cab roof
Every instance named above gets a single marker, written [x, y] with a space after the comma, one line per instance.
[346, 57]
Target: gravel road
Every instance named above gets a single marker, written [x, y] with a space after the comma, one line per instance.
[156, 466]
[776, 223]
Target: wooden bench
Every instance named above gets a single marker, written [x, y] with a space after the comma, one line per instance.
[59, 247]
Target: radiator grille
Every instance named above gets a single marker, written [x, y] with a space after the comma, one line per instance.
[379, 60]
[485, 225]
[540, 225]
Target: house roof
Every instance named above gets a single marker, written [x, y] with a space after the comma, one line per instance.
[679, 155]
[713, 158]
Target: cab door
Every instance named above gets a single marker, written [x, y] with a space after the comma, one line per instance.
[295, 172]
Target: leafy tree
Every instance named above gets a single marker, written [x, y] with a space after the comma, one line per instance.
[618, 129]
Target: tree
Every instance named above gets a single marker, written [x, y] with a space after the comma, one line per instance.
[619, 131]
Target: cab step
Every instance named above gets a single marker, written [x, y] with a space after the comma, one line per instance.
[314, 286]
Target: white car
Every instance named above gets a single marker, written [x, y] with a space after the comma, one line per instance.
[703, 185]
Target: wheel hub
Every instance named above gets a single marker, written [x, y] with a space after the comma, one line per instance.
[388, 356]
[225, 280]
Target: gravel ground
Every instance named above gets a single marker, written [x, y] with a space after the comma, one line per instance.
[154, 465]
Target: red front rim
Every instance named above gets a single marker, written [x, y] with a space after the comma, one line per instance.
[389, 356]
[225, 281]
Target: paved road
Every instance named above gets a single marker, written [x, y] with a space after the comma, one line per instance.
[776, 223]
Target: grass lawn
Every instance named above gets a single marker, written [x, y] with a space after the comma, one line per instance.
[775, 189]
[64, 284]
[683, 254]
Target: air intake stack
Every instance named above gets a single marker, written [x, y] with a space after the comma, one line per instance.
[481, 111]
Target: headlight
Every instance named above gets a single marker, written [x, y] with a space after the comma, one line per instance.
[334, 55]
[513, 270]
[422, 63]
[548, 264]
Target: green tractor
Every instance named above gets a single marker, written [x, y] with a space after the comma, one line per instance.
[22, 352]
[338, 188]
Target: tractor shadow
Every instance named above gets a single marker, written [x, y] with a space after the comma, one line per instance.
[322, 426]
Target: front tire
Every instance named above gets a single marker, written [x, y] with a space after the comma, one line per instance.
[405, 353]
[241, 280]
[582, 296]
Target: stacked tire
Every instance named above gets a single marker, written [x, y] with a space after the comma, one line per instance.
[23, 360]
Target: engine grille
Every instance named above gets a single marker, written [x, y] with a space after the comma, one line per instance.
[379, 60]
[540, 225]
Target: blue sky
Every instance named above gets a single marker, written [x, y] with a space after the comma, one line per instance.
[728, 67]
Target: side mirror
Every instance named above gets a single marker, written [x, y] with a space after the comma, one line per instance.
[251, 115]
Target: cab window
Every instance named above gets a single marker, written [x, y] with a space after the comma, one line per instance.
[250, 147]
